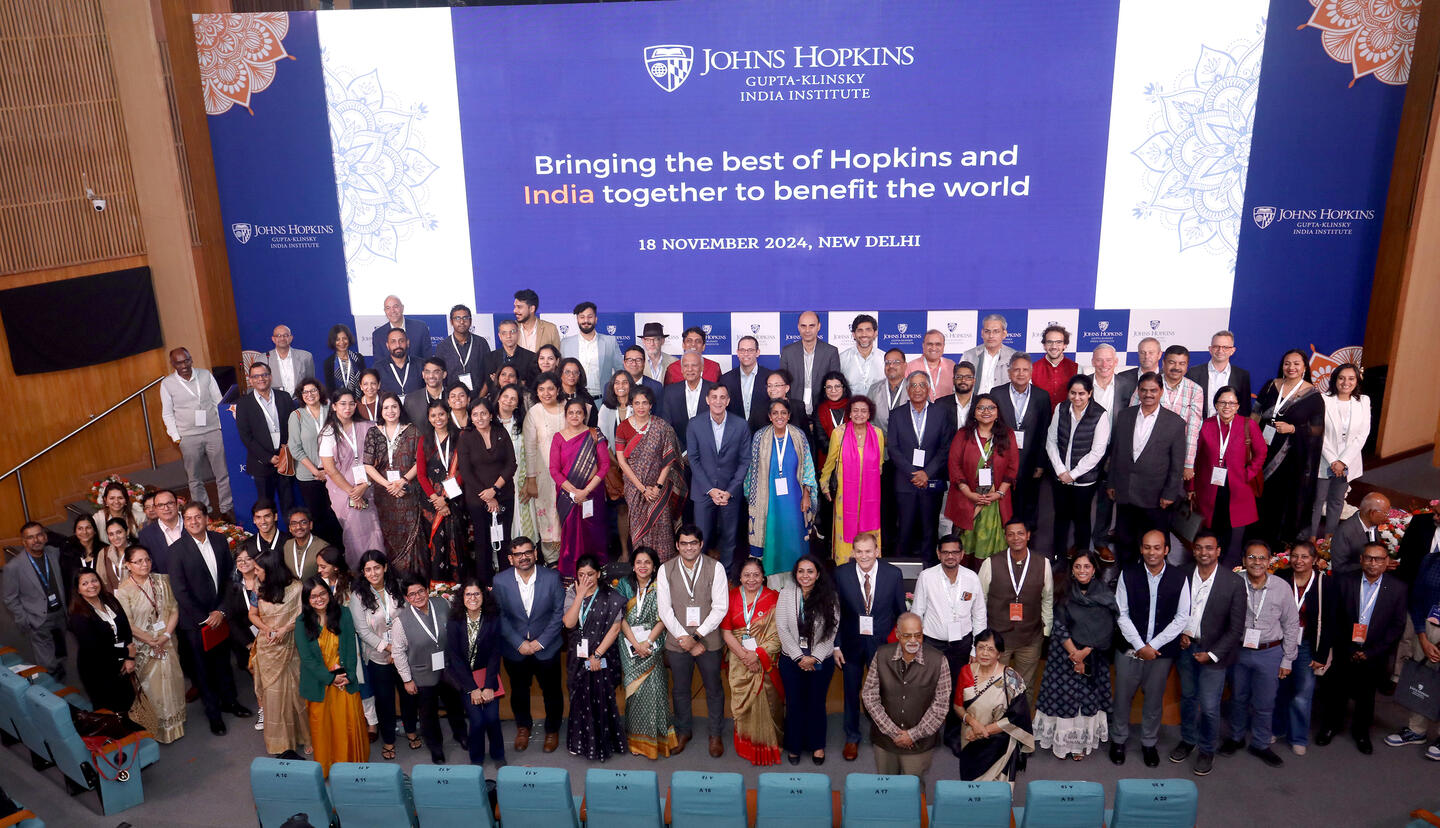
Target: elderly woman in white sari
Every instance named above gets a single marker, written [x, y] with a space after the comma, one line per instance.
[991, 700]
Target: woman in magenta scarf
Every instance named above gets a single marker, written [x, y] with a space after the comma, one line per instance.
[854, 459]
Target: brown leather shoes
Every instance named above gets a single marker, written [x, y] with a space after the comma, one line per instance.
[852, 750]
[1105, 554]
[681, 741]
[717, 747]
[552, 741]
[522, 738]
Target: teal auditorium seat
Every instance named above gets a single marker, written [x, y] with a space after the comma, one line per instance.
[1061, 805]
[1155, 803]
[283, 788]
[873, 801]
[451, 796]
[621, 799]
[794, 800]
[12, 705]
[707, 800]
[371, 795]
[536, 798]
[114, 773]
[970, 805]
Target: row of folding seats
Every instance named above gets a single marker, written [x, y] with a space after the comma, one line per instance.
[451, 796]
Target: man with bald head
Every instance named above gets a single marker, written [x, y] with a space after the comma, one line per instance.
[1153, 599]
[189, 400]
[907, 694]
[808, 361]
[288, 365]
[938, 367]
[400, 372]
[417, 333]
[682, 401]
[1355, 531]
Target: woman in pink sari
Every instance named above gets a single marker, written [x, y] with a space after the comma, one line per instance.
[854, 459]
[342, 443]
[579, 459]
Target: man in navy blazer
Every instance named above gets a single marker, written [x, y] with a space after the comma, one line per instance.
[749, 372]
[262, 418]
[1372, 613]
[416, 331]
[919, 463]
[1034, 406]
[532, 602]
[200, 575]
[718, 443]
[675, 399]
[634, 362]
[866, 622]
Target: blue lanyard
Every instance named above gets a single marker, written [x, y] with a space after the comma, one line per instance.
[585, 607]
[45, 577]
[749, 608]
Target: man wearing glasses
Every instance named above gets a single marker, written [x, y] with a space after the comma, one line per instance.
[745, 382]
[1370, 620]
[464, 353]
[262, 418]
[1266, 655]
[1219, 372]
[1054, 370]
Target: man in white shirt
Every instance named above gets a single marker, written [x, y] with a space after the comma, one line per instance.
[200, 576]
[693, 596]
[682, 401]
[532, 603]
[534, 331]
[746, 381]
[863, 364]
[189, 407]
[599, 354]
[1209, 646]
[808, 361]
[657, 362]
[888, 392]
[948, 599]
[991, 357]
[1220, 372]
[160, 534]
[290, 365]
[1144, 469]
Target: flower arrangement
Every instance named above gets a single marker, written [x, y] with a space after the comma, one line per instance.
[135, 490]
[1392, 531]
[234, 534]
[444, 589]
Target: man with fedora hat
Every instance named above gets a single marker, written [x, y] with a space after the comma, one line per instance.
[657, 362]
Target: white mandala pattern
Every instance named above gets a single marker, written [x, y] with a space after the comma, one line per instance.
[1198, 152]
[381, 168]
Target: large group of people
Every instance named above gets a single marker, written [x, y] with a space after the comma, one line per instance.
[464, 523]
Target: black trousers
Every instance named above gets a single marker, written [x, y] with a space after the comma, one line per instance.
[919, 513]
[889, 512]
[1072, 507]
[1131, 524]
[1232, 538]
[1025, 498]
[317, 500]
[957, 655]
[429, 700]
[275, 487]
[384, 681]
[484, 552]
[1358, 680]
[210, 672]
[548, 673]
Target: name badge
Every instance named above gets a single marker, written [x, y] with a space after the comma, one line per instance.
[437, 661]
[1252, 639]
[357, 473]
[782, 487]
[452, 488]
[692, 616]
[1357, 632]
[254, 631]
[917, 457]
[587, 509]
[867, 625]
[392, 475]
[750, 644]
[1017, 611]
[1268, 433]
[1019, 440]
[52, 601]
[200, 418]
[987, 477]
[804, 643]
[497, 533]
[1217, 476]
[582, 649]
[465, 381]
[158, 626]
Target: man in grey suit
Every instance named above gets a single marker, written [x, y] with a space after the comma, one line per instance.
[464, 353]
[599, 354]
[1355, 531]
[290, 365]
[1208, 646]
[1147, 459]
[35, 596]
[1112, 391]
[991, 357]
[718, 443]
[420, 660]
[808, 361]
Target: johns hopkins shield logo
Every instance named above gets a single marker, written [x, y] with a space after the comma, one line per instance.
[242, 231]
[951, 326]
[755, 327]
[1154, 324]
[1104, 325]
[902, 327]
[1263, 216]
[610, 329]
[669, 65]
[709, 329]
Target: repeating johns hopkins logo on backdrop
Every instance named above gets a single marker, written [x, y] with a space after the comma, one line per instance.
[1102, 327]
[1319, 221]
[902, 329]
[619, 325]
[717, 331]
[282, 236]
[809, 72]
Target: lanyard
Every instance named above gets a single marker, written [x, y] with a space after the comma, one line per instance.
[1366, 607]
[1224, 438]
[192, 385]
[1170, 397]
[1015, 400]
[640, 602]
[1300, 596]
[587, 605]
[749, 607]
[390, 443]
[300, 553]
[260, 542]
[895, 396]
[687, 579]
[151, 597]
[919, 422]
[397, 376]
[780, 449]
[1023, 572]
[469, 346]
[1349, 415]
[316, 420]
[272, 422]
[1286, 398]
[986, 449]
[385, 605]
[45, 577]
[934, 379]
[443, 449]
[435, 633]
[1264, 593]
[349, 440]
[342, 364]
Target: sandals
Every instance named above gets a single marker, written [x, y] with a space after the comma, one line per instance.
[387, 752]
[415, 742]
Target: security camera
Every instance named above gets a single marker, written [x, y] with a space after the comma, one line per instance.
[98, 204]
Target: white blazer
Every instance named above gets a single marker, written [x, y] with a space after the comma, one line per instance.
[1355, 414]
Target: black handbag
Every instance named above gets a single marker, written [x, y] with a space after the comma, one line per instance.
[1419, 688]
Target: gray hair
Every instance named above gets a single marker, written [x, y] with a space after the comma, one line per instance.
[920, 374]
[1103, 346]
[995, 317]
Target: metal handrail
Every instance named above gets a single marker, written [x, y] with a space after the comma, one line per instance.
[149, 439]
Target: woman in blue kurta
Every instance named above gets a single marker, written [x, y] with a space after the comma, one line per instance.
[780, 488]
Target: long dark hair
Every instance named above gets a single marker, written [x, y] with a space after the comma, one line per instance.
[592, 560]
[277, 577]
[332, 419]
[391, 583]
[999, 431]
[98, 540]
[1280, 366]
[380, 408]
[654, 567]
[1064, 586]
[488, 607]
[608, 396]
[78, 604]
[335, 557]
[332, 609]
[1359, 380]
[519, 408]
[821, 604]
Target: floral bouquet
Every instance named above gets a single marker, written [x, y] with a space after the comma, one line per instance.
[97, 489]
[234, 534]
[444, 589]
[1392, 531]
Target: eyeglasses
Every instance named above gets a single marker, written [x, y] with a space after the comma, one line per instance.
[1374, 558]
[1053, 342]
[1256, 558]
[1226, 403]
[261, 375]
[894, 362]
[980, 408]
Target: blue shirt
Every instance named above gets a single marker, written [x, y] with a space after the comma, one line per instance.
[1367, 591]
[718, 429]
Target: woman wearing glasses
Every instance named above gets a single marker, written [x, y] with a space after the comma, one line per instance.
[1229, 462]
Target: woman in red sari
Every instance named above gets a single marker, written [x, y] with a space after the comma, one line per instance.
[578, 463]
[649, 456]
[756, 697]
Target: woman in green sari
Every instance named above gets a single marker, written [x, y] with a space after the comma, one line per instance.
[642, 660]
[780, 488]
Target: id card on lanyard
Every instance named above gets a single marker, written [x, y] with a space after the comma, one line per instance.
[1017, 609]
[357, 469]
[782, 485]
[437, 659]
[986, 474]
[1219, 473]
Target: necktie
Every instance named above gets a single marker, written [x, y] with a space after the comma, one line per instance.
[868, 594]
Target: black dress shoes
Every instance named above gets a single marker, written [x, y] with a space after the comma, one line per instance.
[1267, 756]
[1325, 737]
[1151, 756]
[1230, 746]
[238, 711]
[217, 726]
[1362, 743]
[1117, 753]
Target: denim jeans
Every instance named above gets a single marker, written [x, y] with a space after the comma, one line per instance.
[1253, 681]
[1201, 686]
[1295, 699]
[484, 722]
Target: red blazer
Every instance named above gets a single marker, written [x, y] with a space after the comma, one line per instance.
[964, 460]
[1207, 456]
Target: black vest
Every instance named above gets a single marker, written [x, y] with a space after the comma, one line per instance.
[1084, 437]
[1137, 594]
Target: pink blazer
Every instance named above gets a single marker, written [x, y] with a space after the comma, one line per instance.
[1243, 511]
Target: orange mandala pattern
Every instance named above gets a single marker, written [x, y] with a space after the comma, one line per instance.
[1376, 37]
[237, 54]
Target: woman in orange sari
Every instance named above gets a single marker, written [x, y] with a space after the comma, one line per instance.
[756, 697]
[328, 664]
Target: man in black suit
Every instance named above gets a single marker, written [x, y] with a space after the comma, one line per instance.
[1112, 391]
[1145, 468]
[200, 568]
[1026, 409]
[262, 418]
[746, 381]
[919, 448]
[808, 361]
[269, 538]
[1208, 647]
[510, 353]
[957, 405]
[1220, 372]
[416, 331]
[1372, 614]
[777, 387]
[1355, 531]
[634, 362]
[683, 401]
[872, 598]
[164, 530]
